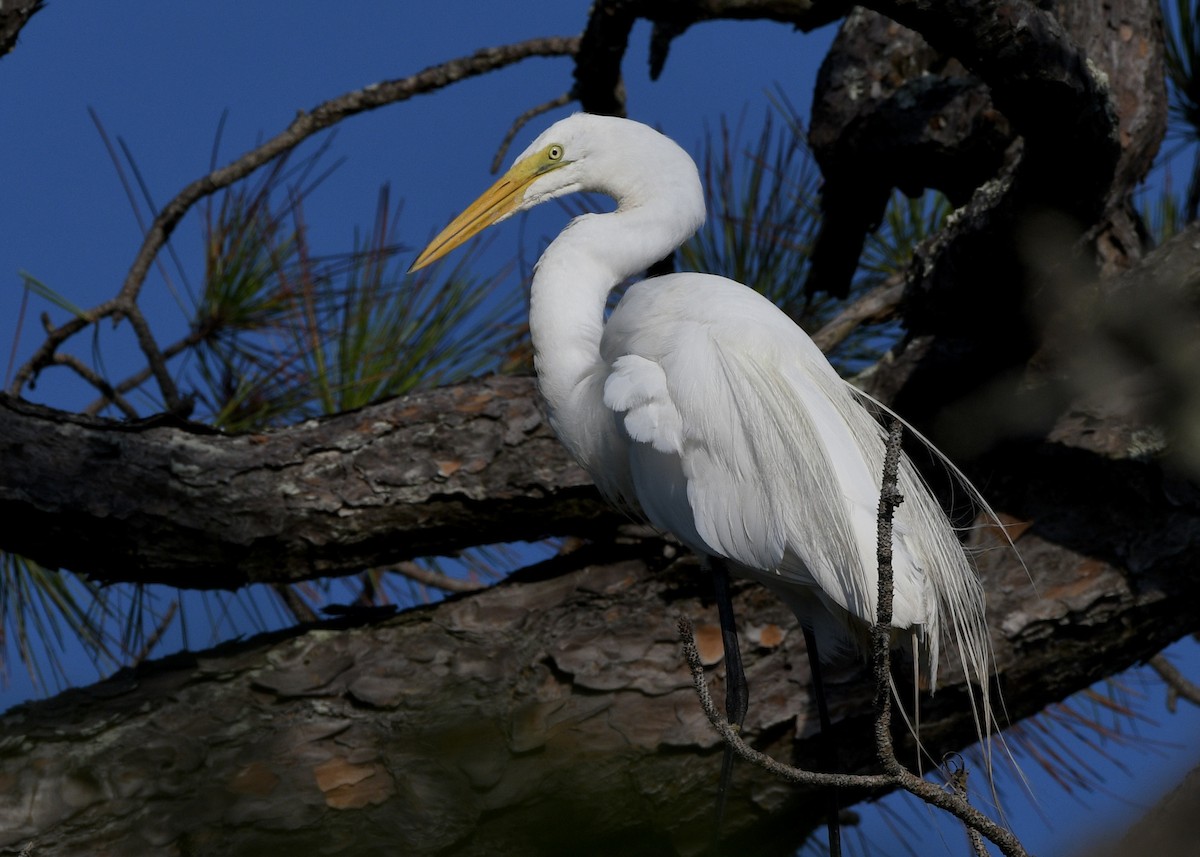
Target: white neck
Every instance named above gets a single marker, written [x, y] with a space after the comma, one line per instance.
[593, 255]
[659, 205]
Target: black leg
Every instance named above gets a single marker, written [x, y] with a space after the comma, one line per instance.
[736, 693]
[827, 748]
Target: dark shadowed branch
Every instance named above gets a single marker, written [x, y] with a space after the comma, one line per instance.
[14, 15]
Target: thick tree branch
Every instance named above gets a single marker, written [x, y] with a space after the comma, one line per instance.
[1076, 155]
[889, 112]
[598, 84]
[1061, 104]
[430, 473]
[182, 504]
[1038, 77]
[14, 15]
[534, 716]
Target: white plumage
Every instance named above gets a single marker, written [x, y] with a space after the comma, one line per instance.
[702, 405]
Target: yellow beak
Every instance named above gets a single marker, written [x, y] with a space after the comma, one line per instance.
[498, 201]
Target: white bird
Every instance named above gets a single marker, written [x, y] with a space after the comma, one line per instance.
[702, 406]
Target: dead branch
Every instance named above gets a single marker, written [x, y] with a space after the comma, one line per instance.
[876, 306]
[140, 377]
[881, 656]
[305, 125]
[602, 47]
[734, 739]
[428, 577]
[1178, 684]
[107, 392]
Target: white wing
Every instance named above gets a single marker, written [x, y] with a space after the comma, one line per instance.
[746, 444]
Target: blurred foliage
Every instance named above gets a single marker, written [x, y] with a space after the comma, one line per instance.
[1163, 213]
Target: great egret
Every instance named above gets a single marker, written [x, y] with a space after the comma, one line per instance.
[702, 406]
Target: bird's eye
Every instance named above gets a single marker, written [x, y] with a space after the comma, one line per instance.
[555, 152]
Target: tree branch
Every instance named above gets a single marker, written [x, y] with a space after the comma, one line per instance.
[107, 392]
[524, 119]
[305, 125]
[1039, 78]
[502, 720]
[1177, 683]
[895, 774]
[14, 15]
[183, 504]
[430, 473]
[426, 577]
[876, 306]
[598, 84]
[1056, 77]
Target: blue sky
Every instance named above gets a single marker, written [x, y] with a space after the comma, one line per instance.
[160, 75]
[161, 80]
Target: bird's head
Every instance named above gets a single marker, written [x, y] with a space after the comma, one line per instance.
[583, 152]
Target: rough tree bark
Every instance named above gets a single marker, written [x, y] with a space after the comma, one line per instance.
[1088, 127]
[552, 710]
[162, 500]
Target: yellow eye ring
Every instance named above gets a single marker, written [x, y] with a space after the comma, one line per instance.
[555, 152]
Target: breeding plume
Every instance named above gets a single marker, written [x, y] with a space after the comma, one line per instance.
[702, 406]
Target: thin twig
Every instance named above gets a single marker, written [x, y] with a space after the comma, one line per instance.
[877, 305]
[895, 774]
[957, 781]
[523, 120]
[106, 389]
[435, 579]
[154, 357]
[956, 806]
[138, 378]
[881, 631]
[1177, 683]
[733, 739]
[301, 128]
[976, 840]
[881, 637]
